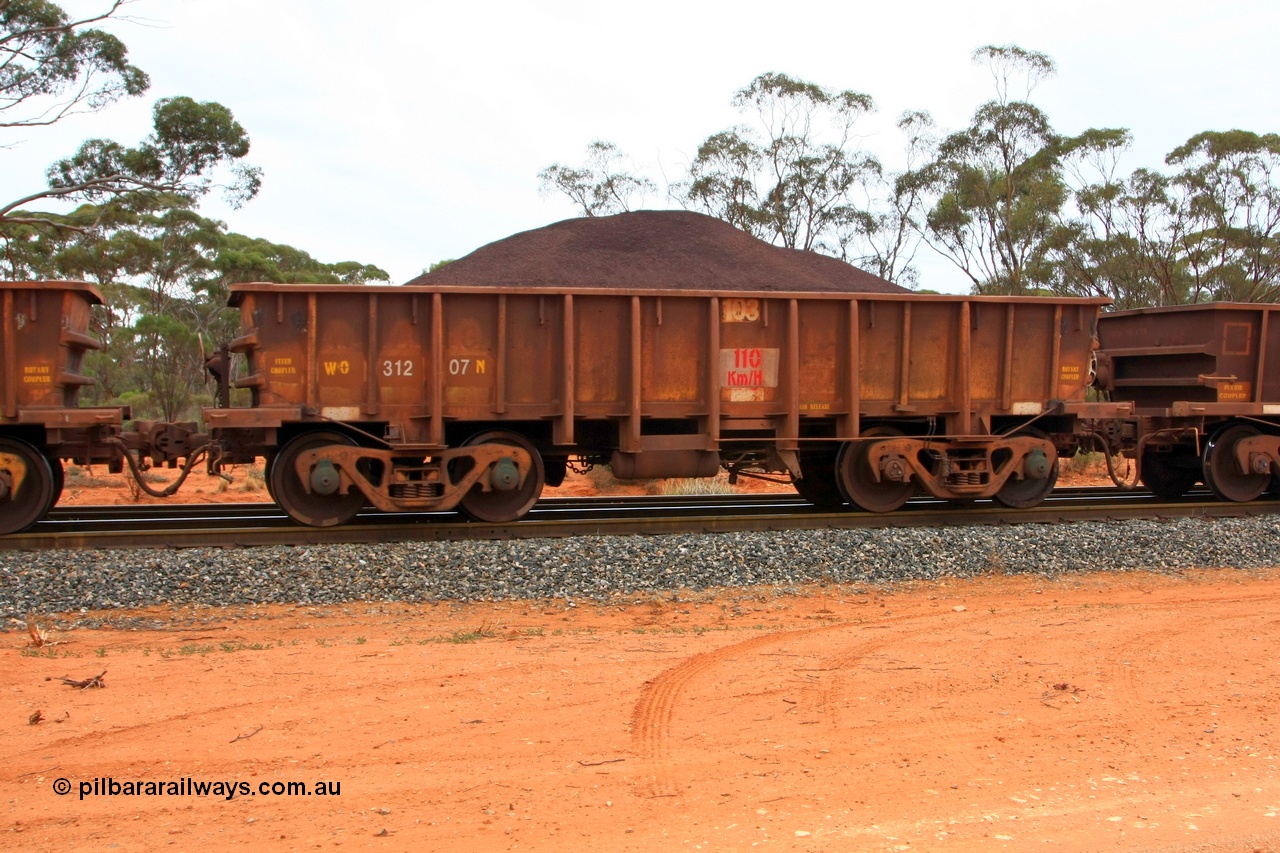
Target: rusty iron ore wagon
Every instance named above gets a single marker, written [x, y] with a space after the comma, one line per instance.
[1203, 382]
[425, 398]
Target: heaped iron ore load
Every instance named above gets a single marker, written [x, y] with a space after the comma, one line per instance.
[651, 250]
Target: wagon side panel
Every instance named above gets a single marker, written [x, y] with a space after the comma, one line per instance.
[1035, 339]
[753, 357]
[340, 347]
[990, 346]
[470, 354]
[534, 342]
[401, 365]
[823, 360]
[673, 355]
[1268, 387]
[933, 378]
[273, 337]
[880, 355]
[602, 328]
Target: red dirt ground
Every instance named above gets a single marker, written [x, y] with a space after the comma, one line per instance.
[1102, 711]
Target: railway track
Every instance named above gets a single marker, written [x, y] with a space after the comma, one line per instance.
[230, 525]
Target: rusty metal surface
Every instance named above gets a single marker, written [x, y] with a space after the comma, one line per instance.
[419, 358]
[1213, 359]
[44, 333]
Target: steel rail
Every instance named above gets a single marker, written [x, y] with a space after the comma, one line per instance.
[240, 525]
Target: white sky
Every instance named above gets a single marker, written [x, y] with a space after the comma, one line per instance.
[402, 133]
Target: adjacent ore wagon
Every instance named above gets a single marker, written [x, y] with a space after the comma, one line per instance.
[1203, 382]
[422, 398]
[44, 334]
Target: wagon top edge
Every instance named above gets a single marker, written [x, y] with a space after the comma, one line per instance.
[237, 290]
[91, 290]
[1196, 306]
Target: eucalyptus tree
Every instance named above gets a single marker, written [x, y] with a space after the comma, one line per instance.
[52, 66]
[195, 261]
[1208, 231]
[1018, 207]
[165, 272]
[102, 244]
[1228, 182]
[606, 184]
[882, 236]
[996, 183]
[722, 181]
[795, 177]
[1104, 235]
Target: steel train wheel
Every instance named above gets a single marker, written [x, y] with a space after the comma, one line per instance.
[497, 507]
[1028, 492]
[28, 486]
[308, 506]
[819, 485]
[1169, 475]
[1222, 475]
[857, 483]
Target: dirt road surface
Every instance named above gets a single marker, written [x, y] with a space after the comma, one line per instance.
[1098, 712]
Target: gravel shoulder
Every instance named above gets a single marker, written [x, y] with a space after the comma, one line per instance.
[612, 569]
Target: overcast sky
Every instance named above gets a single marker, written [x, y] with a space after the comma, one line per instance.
[403, 133]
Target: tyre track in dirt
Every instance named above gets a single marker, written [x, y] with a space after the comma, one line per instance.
[843, 666]
[654, 711]
[652, 715]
